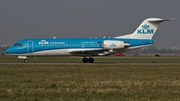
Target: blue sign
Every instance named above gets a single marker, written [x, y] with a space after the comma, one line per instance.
[145, 30]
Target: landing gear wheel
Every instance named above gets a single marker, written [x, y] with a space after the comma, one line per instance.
[91, 60]
[25, 61]
[85, 60]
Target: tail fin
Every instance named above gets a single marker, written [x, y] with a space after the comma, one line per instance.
[147, 29]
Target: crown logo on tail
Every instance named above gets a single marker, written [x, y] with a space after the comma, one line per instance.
[145, 26]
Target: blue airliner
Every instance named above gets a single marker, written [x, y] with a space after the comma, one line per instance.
[87, 47]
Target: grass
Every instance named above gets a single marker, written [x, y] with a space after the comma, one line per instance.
[89, 82]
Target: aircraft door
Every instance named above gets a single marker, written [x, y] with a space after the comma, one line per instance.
[30, 46]
[82, 44]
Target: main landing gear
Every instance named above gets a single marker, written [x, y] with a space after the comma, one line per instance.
[86, 60]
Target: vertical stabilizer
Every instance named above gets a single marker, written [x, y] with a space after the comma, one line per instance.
[147, 28]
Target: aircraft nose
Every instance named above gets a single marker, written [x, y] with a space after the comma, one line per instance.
[8, 51]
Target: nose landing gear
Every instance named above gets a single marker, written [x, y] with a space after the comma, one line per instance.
[25, 60]
[86, 60]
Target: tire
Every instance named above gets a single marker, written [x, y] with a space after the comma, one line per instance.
[25, 61]
[91, 60]
[85, 60]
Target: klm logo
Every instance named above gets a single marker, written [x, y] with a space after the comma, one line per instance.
[43, 42]
[145, 30]
[113, 45]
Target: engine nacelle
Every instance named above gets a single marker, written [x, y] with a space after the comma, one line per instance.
[113, 44]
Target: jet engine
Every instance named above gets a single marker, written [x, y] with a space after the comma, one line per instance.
[113, 44]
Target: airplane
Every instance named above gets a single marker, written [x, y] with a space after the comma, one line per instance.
[87, 47]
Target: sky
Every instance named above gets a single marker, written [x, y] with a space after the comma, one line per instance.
[20, 19]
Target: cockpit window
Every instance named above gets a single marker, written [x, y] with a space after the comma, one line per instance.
[15, 44]
[18, 44]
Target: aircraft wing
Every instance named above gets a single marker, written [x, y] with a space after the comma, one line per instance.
[86, 50]
[93, 52]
